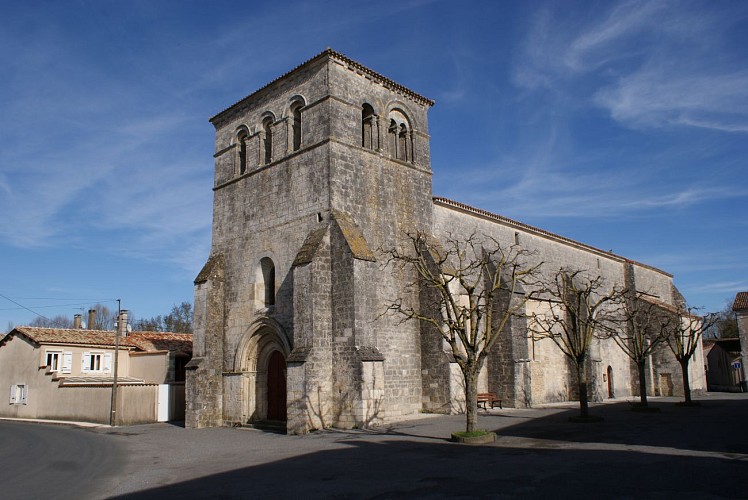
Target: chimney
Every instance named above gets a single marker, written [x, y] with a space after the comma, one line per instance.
[122, 323]
[77, 321]
[91, 318]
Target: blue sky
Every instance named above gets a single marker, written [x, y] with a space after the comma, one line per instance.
[623, 125]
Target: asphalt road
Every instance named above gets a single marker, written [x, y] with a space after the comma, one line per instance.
[48, 461]
[685, 453]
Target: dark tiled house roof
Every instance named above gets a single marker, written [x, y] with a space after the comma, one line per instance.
[741, 302]
[178, 343]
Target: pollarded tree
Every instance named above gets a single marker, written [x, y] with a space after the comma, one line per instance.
[465, 281]
[684, 337]
[579, 308]
[643, 326]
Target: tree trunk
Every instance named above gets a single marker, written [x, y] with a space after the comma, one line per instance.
[471, 400]
[582, 380]
[686, 383]
[641, 365]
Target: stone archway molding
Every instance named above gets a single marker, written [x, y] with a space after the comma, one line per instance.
[261, 334]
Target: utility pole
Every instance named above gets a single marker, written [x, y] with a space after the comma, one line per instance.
[121, 327]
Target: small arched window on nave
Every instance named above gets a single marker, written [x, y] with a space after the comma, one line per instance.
[267, 140]
[368, 127]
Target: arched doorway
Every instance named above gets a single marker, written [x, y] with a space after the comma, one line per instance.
[260, 359]
[611, 394]
[276, 387]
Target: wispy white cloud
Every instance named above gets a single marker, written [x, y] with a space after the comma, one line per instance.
[648, 63]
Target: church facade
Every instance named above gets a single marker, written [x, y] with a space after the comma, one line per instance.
[315, 174]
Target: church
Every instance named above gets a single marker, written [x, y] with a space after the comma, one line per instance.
[315, 174]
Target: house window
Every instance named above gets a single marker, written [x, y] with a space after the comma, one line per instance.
[18, 394]
[96, 362]
[53, 360]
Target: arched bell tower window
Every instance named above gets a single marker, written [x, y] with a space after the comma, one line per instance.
[392, 136]
[399, 136]
[402, 143]
[267, 140]
[296, 125]
[241, 143]
[267, 281]
[368, 128]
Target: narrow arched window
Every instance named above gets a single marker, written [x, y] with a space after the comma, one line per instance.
[402, 143]
[367, 127]
[268, 277]
[400, 136]
[242, 151]
[392, 135]
[296, 125]
[268, 139]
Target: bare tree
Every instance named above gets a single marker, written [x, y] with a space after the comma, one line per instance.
[59, 321]
[463, 280]
[578, 309]
[644, 327]
[104, 319]
[179, 320]
[684, 337]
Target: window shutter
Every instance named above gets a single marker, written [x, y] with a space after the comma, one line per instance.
[85, 361]
[24, 394]
[12, 394]
[108, 362]
[67, 362]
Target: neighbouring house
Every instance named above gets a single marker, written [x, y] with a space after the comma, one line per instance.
[68, 374]
[724, 372]
[315, 174]
[740, 306]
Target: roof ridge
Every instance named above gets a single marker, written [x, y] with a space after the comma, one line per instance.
[490, 215]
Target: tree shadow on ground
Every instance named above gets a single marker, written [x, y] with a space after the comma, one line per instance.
[717, 425]
[406, 469]
[678, 453]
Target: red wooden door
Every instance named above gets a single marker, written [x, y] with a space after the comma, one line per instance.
[277, 387]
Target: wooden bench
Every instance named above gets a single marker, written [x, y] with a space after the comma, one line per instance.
[488, 398]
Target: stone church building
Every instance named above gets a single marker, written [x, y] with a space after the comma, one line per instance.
[315, 173]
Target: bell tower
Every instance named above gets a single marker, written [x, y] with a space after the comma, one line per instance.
[314, 173]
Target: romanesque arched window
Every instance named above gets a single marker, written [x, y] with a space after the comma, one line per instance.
[296, 125]
[267, 141]
[400, 139]
[267, 274]
[402, 143]
[368, 127]
[241, 145]
[392, 138]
